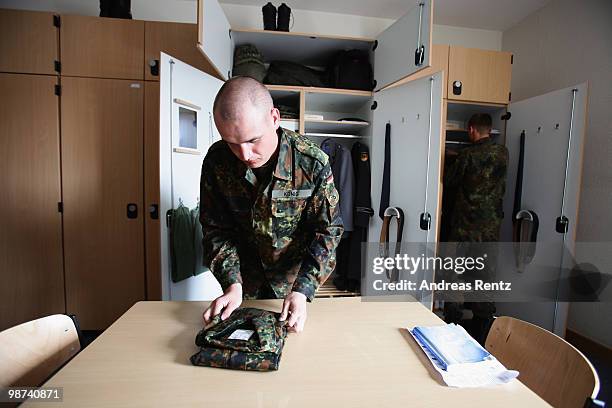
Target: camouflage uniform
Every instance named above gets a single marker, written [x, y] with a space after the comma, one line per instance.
[260, 352]
[478, 177]
[275, 236]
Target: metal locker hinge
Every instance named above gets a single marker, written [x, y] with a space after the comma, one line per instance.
[57, 20]
[57, 66]
[58, 90]
[60, 207]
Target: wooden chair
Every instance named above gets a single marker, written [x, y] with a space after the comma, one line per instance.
[547, 364]
[31, 352]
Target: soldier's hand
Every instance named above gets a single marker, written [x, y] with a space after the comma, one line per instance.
[226, 303]
[294, 307]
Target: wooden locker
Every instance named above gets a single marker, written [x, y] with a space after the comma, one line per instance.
[102, 168]
[484, 75]
[31, 234]
[29, 42]
[177, 39]
[151, 190]
[102, 47]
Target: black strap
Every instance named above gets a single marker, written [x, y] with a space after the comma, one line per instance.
[388, 215]
[518, 190]
[386, 182]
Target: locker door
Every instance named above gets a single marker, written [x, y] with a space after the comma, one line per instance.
[186, 99]
[178, 39]
[102, 47]
[151, 189]
[546, 122]
[415, 112]
[405, 47]
[29, 42]
[484, 75]
[102, 170]
[214, 37]
[31, 225]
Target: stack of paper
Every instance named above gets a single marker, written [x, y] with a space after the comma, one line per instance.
[459, 358]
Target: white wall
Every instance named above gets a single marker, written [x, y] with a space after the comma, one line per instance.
[563, 44]
[241, 16]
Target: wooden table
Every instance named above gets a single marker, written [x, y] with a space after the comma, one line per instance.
[351, 354]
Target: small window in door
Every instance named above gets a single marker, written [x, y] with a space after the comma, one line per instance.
[188, 128]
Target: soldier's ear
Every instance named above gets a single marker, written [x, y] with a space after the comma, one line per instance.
[276, 117]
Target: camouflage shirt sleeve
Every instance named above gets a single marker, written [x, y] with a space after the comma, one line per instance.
[324, 221]
[219, 242]
[453, 174]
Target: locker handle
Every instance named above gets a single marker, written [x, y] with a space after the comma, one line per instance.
[154, 67]
[154, 211]
[132, 210]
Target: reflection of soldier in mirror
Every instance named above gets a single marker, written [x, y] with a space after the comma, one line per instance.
[478, 178]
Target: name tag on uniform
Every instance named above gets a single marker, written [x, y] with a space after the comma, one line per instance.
[291, 193]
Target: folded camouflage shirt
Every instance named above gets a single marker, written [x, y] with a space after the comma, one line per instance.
[250, 339]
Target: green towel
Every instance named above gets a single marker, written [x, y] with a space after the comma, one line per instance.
[182, 250]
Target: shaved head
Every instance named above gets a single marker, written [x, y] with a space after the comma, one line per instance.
[247, 120]
[238, 95]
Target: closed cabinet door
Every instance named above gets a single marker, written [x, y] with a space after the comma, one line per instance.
[479, 75]
[102, 47]
[29, 42]
[151, 190]
[177, 39]
[102, 170]
[30, 223]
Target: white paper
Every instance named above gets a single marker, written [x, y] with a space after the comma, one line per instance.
[241, 334]
[481, 374]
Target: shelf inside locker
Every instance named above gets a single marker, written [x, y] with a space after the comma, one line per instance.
[334, 126]
[338, 135]
[302, 48]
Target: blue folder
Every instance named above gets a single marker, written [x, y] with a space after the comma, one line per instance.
[450, 344]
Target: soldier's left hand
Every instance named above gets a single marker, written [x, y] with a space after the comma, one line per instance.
[294, 307]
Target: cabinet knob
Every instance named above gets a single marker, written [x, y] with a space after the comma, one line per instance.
[154, 211]
[132, 210]
[154, 67]
[457, 87]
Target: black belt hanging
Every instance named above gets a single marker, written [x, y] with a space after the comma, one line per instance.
[525, 223]
[388, 215]
[386, 181]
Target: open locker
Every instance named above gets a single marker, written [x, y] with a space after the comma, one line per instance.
[554, 125]
[401, 50]
[415, 109]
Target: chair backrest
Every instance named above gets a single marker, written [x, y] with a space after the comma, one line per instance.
[547, 364]
[32, 351]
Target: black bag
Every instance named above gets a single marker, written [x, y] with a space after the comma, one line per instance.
[116, 8]
[290, 73]
[351, 70]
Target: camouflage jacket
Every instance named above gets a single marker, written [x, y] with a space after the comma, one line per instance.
[478, 177]
[273, 238]
[250, 339]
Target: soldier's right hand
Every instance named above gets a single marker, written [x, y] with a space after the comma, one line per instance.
[226, 303]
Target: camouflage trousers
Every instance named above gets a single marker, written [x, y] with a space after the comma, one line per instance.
[250, 339]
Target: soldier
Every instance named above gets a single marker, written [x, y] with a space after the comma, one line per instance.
[268, 207]
[478, 177]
